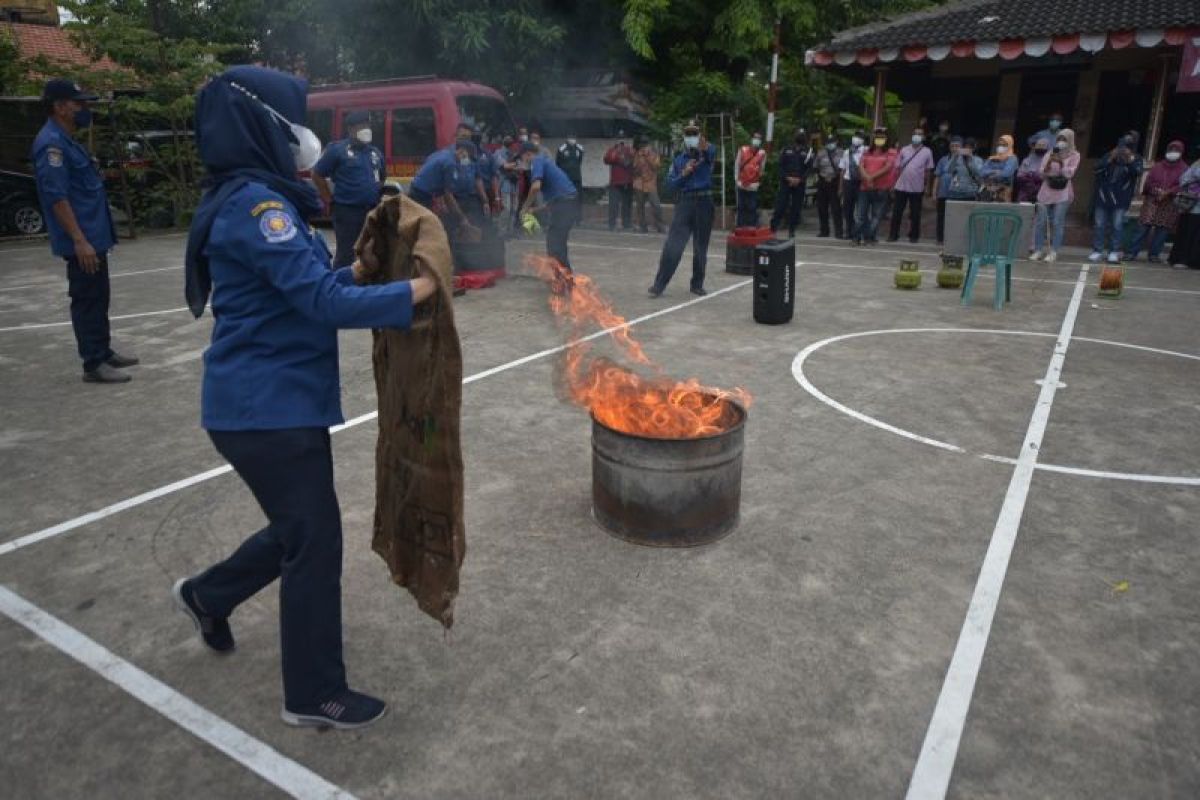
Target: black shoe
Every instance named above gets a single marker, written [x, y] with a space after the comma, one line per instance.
[913, 241]
[104, 374]
[699, 291]
[348, 711]
[822, 235]
[656, 291]
[893, 239]
[214, 631]
[120, 362]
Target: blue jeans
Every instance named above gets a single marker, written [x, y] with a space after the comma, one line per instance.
[1054, 214]
[290, 473]
[1108, 220]
[870, 212]
[89, 311]
[1157, 236]
[747, 208]
[693, 220]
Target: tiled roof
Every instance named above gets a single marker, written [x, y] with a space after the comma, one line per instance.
[996, 20]
[53, 43]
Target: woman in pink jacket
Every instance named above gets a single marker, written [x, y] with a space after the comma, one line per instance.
[1055, 196]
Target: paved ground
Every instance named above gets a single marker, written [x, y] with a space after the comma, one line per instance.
[803, 656]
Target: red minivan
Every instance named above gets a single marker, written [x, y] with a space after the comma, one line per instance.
[410, 117]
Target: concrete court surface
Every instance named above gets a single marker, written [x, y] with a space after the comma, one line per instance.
[801, 657]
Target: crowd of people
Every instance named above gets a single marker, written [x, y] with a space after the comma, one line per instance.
[860, 181]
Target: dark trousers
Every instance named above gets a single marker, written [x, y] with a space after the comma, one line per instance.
[347, 225]
[871, 205]
[578, 201]
[747, 208]
[829, 205]
[850, 204]
[563, 214]
[913, 201]
[649, 198]
[290, 473]
[941, 220]
[89, 311]
[620, 197]
[693, 220]
[788, 203]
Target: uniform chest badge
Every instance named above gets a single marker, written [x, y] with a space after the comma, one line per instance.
[277, 226]
[54, 157]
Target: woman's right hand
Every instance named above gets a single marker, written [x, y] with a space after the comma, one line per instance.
[422, 289]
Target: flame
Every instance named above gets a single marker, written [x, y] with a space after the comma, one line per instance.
[655, 406]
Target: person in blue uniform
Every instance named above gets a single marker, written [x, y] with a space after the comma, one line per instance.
[441, 175]
[271, 381]
[691, 176]
[794, 163]
[467, 187]
[75, 207]
[558, 194]
[357, 170]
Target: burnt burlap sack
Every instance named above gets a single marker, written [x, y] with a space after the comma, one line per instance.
[418, 375]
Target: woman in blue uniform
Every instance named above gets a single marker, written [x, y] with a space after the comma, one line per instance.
[270, 389]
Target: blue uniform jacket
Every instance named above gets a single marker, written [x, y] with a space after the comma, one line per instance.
[556, 184]
[701, 179]
[273, 361]
[65, 171]
[356, 170]
[436, 175]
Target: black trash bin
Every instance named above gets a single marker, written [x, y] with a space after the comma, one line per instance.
[774, 282]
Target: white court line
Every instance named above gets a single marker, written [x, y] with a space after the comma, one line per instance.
[112, 275]
[931, 776]
[78, 522]
[256, 756]
[38, 325]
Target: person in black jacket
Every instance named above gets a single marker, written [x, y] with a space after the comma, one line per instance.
[570, 160]
[794, 164]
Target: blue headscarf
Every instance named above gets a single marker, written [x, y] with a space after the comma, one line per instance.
[240, 141]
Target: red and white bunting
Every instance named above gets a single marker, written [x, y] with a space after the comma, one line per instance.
[1007, 49]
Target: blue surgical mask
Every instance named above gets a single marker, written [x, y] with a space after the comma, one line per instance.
[83, 118]
[1055, 124]
[691, 142]
[917, 138]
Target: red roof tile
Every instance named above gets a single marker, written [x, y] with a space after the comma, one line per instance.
[53, 43]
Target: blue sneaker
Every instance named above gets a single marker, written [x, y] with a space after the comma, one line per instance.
[214, 631]
[348, 711]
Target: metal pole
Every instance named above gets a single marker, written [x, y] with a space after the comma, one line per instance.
[724, 170]
[1158, 108]
[773, 94]
[880, 91]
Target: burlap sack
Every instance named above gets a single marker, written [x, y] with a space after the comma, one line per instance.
[419, 528]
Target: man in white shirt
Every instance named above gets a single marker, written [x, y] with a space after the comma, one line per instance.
[851, 178]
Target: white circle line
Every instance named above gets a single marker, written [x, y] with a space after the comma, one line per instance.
[807, 385]
[37, 325]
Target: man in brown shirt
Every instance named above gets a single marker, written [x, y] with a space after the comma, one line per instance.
[645, 183]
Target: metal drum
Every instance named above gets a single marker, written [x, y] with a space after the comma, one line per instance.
[668, 492]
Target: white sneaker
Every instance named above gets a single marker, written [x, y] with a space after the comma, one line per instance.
[1095, 256]
[1051, 256]
[1114, 257]
[1035, 255]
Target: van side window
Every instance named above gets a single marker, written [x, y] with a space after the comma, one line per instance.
[488, 115]
[378, 120]
[414, 132]
[320, 121]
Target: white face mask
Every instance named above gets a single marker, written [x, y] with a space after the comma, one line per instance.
[1174, 155]
[364, 136]
[524, 137]
[464, 160]
[691, 142]
[306, 150]
[856, 141]
[917, 138]
[756, 142]
[1001, 150]
[571, 141]
[1060, 146]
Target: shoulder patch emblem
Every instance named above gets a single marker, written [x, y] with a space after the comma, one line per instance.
[266, 205]
[54, 157]
[277, 226]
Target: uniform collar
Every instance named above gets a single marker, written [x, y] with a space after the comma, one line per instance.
[52, 123]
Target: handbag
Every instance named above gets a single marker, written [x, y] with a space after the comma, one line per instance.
[1187, 198]
[1056, 182]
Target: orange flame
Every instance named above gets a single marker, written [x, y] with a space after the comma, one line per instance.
[618, 397]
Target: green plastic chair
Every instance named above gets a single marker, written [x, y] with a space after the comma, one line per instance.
[993, 236]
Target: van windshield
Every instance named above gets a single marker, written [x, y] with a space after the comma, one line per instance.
[488, 115]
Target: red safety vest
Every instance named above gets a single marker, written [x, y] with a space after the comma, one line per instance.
[752, 165]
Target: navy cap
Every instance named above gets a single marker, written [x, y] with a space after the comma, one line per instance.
[63, 89]
[357, 118]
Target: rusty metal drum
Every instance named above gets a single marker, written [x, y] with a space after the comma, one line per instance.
[668, 492]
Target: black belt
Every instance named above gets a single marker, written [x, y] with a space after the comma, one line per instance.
[698, 193]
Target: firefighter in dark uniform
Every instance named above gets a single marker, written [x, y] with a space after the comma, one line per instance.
[691, 177]
[794, 164]
[81, 226]
[570, 160]
[270, 390]
[357, 170]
